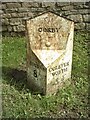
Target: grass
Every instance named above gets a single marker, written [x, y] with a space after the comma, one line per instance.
[19, 102]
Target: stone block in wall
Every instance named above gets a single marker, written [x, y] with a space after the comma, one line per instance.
[41, 10]
[8, 15]
[9, 28]
[23, 9]
[31, 4]
[30, 14]
[35, 4]
[36, 10]
[57, 11]
[76, 18]
[19, 28]
[14, 15]
[80, 26]
[26, 4]
[5, 21]
[87, 4]
[61, 13]
[60, 4]
[80, 5]
[70, 7]
[86, 18]
[11, 10]
[23, 14]
[14, 28]
[48, 4]
[13, 5]
[83, 11]
[15, 21]
[4, 28]
[77, 3]
[1, 12]
[3, 6]
[88, 26]
[71, 12]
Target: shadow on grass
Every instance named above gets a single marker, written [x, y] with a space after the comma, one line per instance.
[15, 77]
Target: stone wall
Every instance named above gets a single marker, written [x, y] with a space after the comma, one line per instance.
[13, 14]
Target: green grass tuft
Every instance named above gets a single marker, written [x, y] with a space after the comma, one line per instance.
[19, 102]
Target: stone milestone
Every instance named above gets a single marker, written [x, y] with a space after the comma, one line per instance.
[49, 52]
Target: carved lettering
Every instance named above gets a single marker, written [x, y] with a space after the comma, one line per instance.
[60, 69]
[55, 73]
[53, 30]
[35, 73]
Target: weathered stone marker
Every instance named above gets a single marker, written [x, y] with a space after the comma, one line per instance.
[49, 52]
